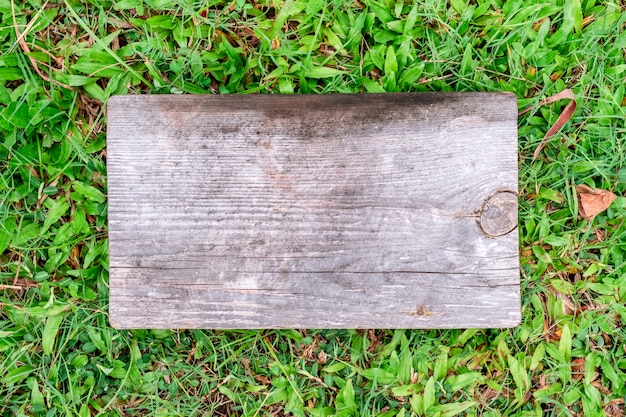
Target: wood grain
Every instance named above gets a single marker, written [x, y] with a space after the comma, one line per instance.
[353, 211]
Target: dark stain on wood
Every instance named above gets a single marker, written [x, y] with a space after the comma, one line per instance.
[313, 211]
[421, 311]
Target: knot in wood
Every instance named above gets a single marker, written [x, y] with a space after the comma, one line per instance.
[498, 215]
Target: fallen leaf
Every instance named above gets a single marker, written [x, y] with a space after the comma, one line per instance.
[565, 115]
[592, 202]
[615, 408]
[262, 379]
[578, 369]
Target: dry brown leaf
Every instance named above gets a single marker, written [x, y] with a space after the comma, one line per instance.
[592, 202]
[615, 408]
[578, 368]
[565, 115]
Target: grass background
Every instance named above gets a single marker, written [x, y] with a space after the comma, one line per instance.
[59, 64]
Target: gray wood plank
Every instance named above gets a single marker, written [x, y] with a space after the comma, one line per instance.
[354, 211]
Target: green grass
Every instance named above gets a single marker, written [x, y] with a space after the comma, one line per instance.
[60, 357]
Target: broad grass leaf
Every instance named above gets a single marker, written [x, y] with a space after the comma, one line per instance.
[7, 228]
[406, 366]
[345, 401]
[129, 4]
[162, 22]
[458, 382]
[17, 115]
[354, 37]
[556, 240]
[97, 340]
[97, 69]
[334, 367]
[56, 211]
[334, 40]
[380, 376]
[467, 64]
[541, 254]
[429, 394]
[288, 9]
[391, 62]
[323, 72]
[441, 367]
[417, 404]
[372, 86]
[314, 6]
[538, 355]
[285, 85]
[459, 6]
[84, 411]
[11, 74]
[80, 221]
[9, 60]
[118, 373]
[616, 70]
[95, 91]
[552, 195]
[609, 373]
[92, 193]
[63, 234]
[94, 251]
[380, 11]
[36, 398]
[80, 361]
[453, 409]
[396, 26]
[50, 331]
[410, 20]
[565, 344]
[573, 15]
[519, 374]
[405, 390]
[592, 401]
[466, 335]
[411, 75]
[17, 375]
[73, 80]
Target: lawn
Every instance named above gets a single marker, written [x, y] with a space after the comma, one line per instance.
[60, 62]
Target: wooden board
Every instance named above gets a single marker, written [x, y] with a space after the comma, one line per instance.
[321, 211]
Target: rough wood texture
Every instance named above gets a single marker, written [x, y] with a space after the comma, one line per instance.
[258, 211]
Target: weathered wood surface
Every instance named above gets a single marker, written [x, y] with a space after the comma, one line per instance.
[354, 211]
